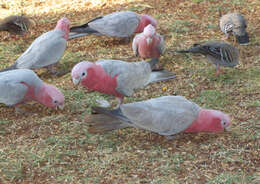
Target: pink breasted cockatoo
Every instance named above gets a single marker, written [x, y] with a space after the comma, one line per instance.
[148, 44]
[166, 115]
[20, 85]
[118, 24]
[118, 78]
[46, 50]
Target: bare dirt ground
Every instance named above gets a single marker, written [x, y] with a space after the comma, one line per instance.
[51, 146]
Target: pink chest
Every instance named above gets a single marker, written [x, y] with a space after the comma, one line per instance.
[99, 81]
[146, 50]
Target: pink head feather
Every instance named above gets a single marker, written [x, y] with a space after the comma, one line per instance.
[144, 21]
[64, 25]
[93, 76]
[79, 71]
[149, 31]
[210, 121]
[50, 96]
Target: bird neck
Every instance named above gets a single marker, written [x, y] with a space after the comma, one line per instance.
[142, 23]
[30, 94]
[64, 29]
[203, 123]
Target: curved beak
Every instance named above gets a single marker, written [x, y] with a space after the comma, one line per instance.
[149, 40]
[61, 106]
[76, 80]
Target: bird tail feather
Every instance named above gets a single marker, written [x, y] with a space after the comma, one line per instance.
[190, 50]
[153, 62]
[12, 67]
[106, 120]
[162, 75]
[82, 30]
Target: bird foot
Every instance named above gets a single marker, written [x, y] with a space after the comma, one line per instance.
[60, 73]
[225, 37]
[19, 111]
[170, 137]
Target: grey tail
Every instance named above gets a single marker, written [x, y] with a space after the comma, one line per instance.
[219, 13]
[12, 67]
[83, 29]
[106, 120]
[153, 62]
[243, 40]
[79, 31]
[162, 75]
[194, 49]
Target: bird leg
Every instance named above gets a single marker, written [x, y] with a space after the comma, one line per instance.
[13, 36]
[18, 110]
[225, 37]
[218, 70]
[120, 101]
[51, 68]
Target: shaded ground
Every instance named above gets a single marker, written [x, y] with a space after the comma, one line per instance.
[54, 146]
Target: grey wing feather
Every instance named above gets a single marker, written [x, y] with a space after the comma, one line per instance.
[166, 115]
[224, 54]
[44, 51]
[118, 24]
[11, 92]
[161, 46]
[131, 76]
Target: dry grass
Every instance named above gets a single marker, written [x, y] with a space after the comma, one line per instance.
[54, 146]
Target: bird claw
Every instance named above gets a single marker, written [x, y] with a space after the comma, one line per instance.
[170, 137]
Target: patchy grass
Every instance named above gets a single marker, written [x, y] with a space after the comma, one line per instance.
[51, 146]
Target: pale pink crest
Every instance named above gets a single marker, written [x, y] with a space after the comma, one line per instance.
[79, 68]
[149, 30]
[64, 25]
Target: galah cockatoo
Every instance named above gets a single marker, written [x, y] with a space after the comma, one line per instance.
[118, 24]
[118, 78]
[46, 50]
[234, 23]
[20, 85]
[16, 25]
[218, 53]
[148, 44]
[166, 115]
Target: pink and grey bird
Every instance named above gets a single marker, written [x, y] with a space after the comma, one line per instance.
[218, 53]
[118, 24]
[117, 78]
[16, 25]
[46, 50]
[234, 23]
[21, 85]
[167, 115]
[148, 44]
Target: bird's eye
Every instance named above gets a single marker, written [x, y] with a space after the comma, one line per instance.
[83, 74]
[55, 101]
[223, 122]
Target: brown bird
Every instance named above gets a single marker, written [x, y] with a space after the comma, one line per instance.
[218, 53]
[16, 25]
[234, 23]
